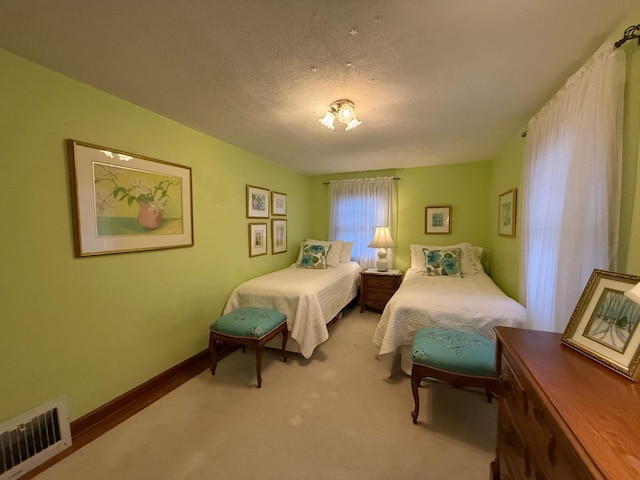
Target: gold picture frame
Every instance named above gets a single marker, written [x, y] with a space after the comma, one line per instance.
[604, 324]
[507, 209]
[278, 235]
[124, 202]
[257, 239]
[257, 202]
[278, 204]
[437, 219]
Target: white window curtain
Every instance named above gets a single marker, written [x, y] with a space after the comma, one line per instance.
[571, 190]
[356, 208]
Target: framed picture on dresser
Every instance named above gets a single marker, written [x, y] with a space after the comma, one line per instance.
[604, 324]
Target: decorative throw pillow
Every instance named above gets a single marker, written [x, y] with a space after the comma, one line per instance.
[312, 256]
[442, 262]
[334, 250]
[464, 259]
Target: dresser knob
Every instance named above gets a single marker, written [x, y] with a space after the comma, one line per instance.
[506, 385]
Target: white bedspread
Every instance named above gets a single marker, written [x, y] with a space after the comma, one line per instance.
[472, 303]
[310, 298]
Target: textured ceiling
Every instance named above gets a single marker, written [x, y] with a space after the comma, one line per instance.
[434, 82]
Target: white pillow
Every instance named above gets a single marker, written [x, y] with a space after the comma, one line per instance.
[476, 259]
[333, 252]
[465, 261]
[345, 254]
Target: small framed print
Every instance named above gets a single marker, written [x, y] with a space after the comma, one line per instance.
[437, 219]
[278, 203]
[507, 213]
[257, 202]
[278, 236]
[604, 324]
[257, 239]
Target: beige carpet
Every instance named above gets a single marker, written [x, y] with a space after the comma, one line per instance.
[335, 416]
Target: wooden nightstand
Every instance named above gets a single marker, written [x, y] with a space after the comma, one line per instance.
[376, 288]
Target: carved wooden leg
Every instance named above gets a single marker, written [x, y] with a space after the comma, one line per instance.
[415, 383]
[259, 364]
[285, 336]
[212, 351]
[489, 395]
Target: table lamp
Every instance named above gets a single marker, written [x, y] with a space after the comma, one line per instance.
[382, 240]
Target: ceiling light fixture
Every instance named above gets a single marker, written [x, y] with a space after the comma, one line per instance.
[342, 110]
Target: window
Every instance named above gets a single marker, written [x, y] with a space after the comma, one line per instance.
[356, 207]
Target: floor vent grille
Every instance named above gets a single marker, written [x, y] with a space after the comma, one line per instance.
[32, 438]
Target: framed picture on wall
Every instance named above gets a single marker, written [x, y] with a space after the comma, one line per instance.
[507, 213]
[604, 324]
[437, 219]
[278, 203]
[124, 202]
[257, 239]
[278, 236]
[257, 202]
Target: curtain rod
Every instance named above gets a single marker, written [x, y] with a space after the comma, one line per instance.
[327, 183]
[629, 34]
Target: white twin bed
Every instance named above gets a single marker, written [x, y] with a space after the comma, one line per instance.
[310, 298]
[471, 302]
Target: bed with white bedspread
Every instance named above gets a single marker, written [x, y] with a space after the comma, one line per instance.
[471, 302]
[310, 298]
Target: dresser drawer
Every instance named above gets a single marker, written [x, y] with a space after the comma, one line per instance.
[554, 457]
[514, 454]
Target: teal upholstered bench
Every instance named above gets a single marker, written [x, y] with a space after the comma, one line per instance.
[248, 327]
[460, 358]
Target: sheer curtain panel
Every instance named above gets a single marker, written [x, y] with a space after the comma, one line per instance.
[571, 190]
[356, 207]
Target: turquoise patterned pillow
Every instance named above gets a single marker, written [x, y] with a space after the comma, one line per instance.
[313, 256]
[443, 262]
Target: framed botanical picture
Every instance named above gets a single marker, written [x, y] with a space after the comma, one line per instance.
[278, 236]
[257, 239]
[604, 324]
[124, 202]
[507, 213]
[257, 202]
[437, 219]
[278, 203]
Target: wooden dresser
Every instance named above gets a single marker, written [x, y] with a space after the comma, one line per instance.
[561, 414]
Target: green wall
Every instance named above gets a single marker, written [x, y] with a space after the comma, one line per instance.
[465, 187]
[92, 328]
[506, 172]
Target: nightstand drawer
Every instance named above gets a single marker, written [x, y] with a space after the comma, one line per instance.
[380, 282]
[377, 296]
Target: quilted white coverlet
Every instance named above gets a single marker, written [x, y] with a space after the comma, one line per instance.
[472, 304]
[309, 297]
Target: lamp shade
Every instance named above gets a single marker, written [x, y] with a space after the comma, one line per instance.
[634, 293]
[382, 238]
